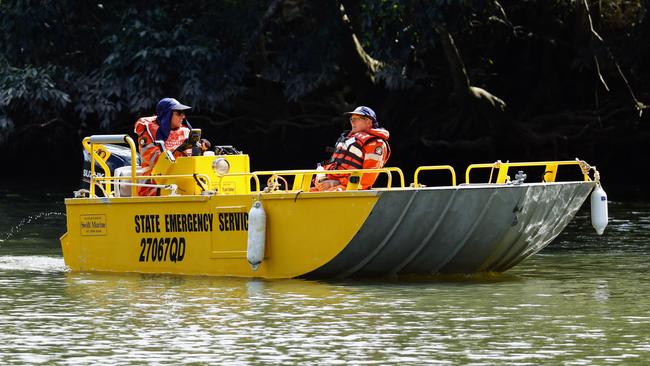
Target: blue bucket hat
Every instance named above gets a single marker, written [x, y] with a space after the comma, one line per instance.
[365, 111]
[164, 110]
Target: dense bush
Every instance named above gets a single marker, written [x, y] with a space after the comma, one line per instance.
[286, 67]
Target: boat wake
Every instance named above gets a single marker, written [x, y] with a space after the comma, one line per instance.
[32, 263]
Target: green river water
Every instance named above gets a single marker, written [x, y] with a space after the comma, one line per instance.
[584, 300]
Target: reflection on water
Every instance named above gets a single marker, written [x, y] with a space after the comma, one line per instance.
[584, 300]
[534, 315]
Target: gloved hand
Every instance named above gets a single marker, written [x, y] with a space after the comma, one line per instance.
[205, 145]
[184, 146]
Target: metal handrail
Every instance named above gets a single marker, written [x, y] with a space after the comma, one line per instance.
[311, 172]
[135, 184]
[399, 172]
[89, 144]
[549, 174]
[168, 176]
[250, 175]
[431, 168]
[304, 176]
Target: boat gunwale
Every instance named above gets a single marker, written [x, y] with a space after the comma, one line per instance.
[301, 194]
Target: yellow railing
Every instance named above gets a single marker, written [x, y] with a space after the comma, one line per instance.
[89, 144]
[302, 178]
[433, 168]
[202, 179]
[550, 170]
[250, 175]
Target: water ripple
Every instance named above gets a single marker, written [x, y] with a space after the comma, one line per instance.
[581, 301]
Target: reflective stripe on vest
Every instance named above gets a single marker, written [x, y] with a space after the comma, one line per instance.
[146, 128]
[349, 151]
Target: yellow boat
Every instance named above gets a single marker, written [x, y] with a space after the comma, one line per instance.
[213, 217]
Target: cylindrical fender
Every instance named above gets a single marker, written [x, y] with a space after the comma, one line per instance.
[256, 235]
[599, 214]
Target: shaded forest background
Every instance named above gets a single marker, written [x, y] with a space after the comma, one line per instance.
[455, 82]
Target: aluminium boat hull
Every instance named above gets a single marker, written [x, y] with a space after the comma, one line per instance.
[467, 229]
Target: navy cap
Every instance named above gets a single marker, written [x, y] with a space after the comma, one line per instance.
[164, 112]
[167, 104]
[364, 111]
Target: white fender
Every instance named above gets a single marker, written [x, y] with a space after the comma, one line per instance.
[599, 215]
[256, 235]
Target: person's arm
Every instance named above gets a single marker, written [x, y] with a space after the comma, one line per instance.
[329, 185]
[183, 134]
[148, 150]
[375, 152]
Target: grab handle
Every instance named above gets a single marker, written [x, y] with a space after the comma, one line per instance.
[109, 139]
[89, 142]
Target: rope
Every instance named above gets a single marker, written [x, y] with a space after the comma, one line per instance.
[586, 168]
[496, 165]
[273, 185]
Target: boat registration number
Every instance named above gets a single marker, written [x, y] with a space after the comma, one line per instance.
[162, 249]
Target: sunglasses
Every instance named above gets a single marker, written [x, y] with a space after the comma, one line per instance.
[356, 118]
[180, 113]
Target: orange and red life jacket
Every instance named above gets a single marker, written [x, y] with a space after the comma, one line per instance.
[146, 129]
[361, 150]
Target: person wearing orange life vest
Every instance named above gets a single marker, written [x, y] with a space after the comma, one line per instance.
[365, 146]
[168, 125]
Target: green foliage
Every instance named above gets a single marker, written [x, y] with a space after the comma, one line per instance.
[401, 35]
[30, 87]
[115, 59]
[302, 53]
[96, 65]
[30, 91]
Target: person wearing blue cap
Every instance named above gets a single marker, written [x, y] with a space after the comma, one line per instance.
[364, 146]
[168, 125]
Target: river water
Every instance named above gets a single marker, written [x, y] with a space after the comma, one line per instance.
[583, 300]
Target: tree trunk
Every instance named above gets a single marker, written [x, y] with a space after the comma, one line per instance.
[481, 113]
[357, 63]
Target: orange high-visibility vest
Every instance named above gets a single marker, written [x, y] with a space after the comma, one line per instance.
[362, 150]
[146, 129]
